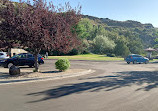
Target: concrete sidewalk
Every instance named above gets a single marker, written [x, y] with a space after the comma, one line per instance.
[29, 76]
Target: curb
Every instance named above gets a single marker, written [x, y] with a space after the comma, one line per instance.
[17, 81]
[91, 60]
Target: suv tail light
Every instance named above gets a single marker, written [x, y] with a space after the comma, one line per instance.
[131, 57]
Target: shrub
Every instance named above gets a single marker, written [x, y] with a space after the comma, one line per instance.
[110, 55]
[85, 52]
[73, 52]
[102, 44]
[62, 64]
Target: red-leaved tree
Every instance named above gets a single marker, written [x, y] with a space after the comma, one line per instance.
[39, 26]
[5, 35]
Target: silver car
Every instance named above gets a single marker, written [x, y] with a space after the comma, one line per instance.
[3, 55]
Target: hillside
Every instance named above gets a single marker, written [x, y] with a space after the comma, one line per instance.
[112, 37]
[146, 32]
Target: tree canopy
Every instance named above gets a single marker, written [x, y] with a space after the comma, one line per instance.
[39, 26]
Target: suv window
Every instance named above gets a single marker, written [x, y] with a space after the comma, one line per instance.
[22, 56]
[137, 56]
[129, 56]
[29, 55]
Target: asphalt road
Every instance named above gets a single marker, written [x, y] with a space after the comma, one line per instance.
[115, 86]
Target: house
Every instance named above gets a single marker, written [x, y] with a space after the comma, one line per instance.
[15, 51]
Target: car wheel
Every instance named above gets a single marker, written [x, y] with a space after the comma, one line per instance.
[128, 62]
[5, 65]
[9, 65]
[134, 62]
[146, 62]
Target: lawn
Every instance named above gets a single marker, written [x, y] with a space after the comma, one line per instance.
[88, 57]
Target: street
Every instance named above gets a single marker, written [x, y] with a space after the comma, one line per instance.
[114, 86]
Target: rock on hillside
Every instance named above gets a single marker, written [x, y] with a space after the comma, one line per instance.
[114, 23]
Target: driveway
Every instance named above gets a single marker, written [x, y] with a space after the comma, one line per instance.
[115, 86]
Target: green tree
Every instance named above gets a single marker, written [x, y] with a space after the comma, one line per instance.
[134, 43]
[121, 49]
[156, 43]
[102, 45]
[84, 28]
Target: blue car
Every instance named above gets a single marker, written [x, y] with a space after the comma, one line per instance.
[21, 60]
[136, 59]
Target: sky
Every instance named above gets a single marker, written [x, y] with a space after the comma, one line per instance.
[144, 11]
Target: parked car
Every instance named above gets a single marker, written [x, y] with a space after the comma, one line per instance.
[4, 55]
[21, 60]
[155, 57]
[136, 59]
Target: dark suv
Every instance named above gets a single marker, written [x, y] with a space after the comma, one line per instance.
[21, 60]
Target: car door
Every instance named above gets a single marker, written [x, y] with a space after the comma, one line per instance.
[142, 59]
[139, 58]
[30, 59]
[134, 58]
[22, 59]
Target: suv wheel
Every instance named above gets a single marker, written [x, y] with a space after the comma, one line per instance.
[128, 62]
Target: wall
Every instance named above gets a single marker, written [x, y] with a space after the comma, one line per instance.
[17, 51]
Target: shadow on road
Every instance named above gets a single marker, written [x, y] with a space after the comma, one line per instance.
[107, 83]
[50, 71]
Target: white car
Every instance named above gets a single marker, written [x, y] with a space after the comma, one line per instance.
[3, 55]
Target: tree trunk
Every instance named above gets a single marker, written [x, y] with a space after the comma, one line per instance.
[9, 52]
[36, 65]
[36, 62]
